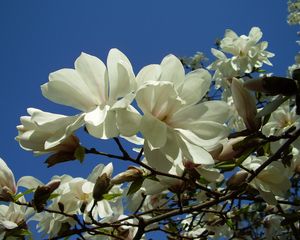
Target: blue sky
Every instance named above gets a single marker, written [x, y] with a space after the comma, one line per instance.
[38, 37]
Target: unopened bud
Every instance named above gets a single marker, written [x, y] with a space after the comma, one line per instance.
[273, 85]
[131, 174]
[6, 194]
[297, 169]
[102, 186]
[296, 74]
[237, 180]
[42, 194]
[228, 153]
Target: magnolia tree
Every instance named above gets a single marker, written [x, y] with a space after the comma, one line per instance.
[214, 156]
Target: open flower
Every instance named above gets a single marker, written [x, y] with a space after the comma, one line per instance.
[173, 118]
[44, 132]
[247, 51]
[272, 181]
[102, 94]
[280, 121]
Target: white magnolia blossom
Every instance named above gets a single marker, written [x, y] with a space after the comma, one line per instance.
[247, 53]
[294, 12]
[173, 118]
[283, 118]
[76, 195]
[295, 66]
[272, 181]
[13, 216]
[273, 227]
[102, 94]
[44, 132]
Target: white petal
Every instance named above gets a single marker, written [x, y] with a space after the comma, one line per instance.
[153, 130]
[205, 134]
[8, 224]
[128, 122]
[255, 34]
[172, 71]
[268, 197]
[97, 171]
[230, 34]
[61, 134]
[108, 129]
[216, 111]
[151, 72]
[94, 73]
[104, 209]
[96, 116]
[218, 54]
[121, 77]
[195, 86]
[29, 182]
[66, 87]
[195, 153]
[156, 159]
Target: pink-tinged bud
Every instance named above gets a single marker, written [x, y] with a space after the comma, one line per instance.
[245, 105]
[237, 180]
[228, 153]
[7, 181]
[131, 174]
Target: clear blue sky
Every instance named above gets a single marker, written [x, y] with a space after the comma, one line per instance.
[38, 37]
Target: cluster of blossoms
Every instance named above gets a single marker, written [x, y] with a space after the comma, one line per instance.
[294, 13]
[187, 141]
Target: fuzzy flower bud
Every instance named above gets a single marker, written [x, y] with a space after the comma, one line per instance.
[103, 183]
[131, 174]
[236, 180]
[273, 85]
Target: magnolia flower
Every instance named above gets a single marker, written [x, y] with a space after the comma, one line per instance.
[44, 132]
[294, 13]
[75, 196]
[280, 121]
[273, 227]
[12, 217]
[102, 94]
[173, 118]
[272, 181]
[247, 54]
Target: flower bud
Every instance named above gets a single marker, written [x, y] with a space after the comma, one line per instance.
[296, 74]
[228, 153]
[273, 85]
[129, 175]
[245, 105]
[103, 184]
[42, 194]
[237, 180]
